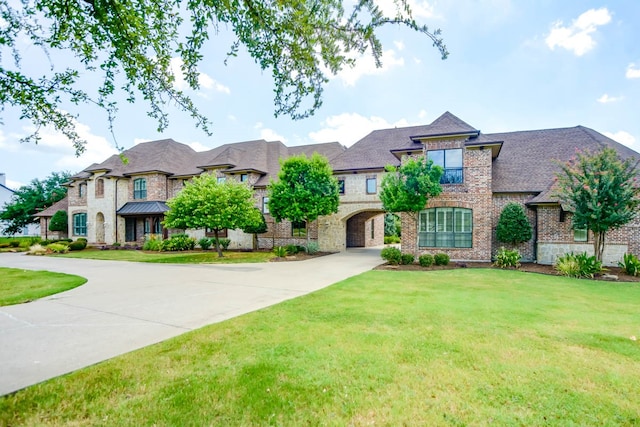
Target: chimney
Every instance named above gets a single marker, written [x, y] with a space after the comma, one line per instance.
[3, 179]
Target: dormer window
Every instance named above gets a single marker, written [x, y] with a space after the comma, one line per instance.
[244, 177]
[451, 162]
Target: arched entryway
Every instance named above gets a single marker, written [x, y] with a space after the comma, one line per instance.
[99, 227]
[365, 229]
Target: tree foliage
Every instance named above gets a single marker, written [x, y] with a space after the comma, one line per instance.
[31, 199]
[602, 192]
[205, 203]
[59, 221]
[305, 190]
[130, 45]
[408, 188]
[513, 225]
[256, 228]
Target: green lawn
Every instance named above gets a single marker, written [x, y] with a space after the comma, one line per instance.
[230, 257]
[456, 347]
[18, 286]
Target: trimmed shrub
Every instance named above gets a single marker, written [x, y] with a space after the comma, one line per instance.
[59, 221]
[77, 245]
[513, 225]
[280, 251]
[224, 243]
[14, 243]
[441, 259]
[578, 265]
[292, 249]
[205, 243]
[391, 239]
[312, 248]
[425, 260]
[179, 242]
[152, 243]
[407, 259]
[506, 258]
[630, 264]
[58, 248]
[4, 245]
[392, 255]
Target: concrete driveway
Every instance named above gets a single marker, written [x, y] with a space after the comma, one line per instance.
[125, 306]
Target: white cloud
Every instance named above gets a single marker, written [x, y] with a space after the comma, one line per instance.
[624, 138]
[205, 81]
[633, 72]
[577, 37]
[365, 65]
[606, 99]
[137, 141]
[198, 146]
[399, 45]
[14, 185]
[348, 128]
[269, 134]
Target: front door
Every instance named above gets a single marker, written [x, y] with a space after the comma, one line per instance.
[130, 229]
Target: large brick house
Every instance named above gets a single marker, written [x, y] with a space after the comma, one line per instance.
[122, 202]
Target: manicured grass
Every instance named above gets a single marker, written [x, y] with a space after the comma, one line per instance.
[455, 347]
[230, 257]
[18, 286]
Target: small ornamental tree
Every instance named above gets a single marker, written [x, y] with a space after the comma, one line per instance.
[59, 222]
[305, 190]
[409, 187]
[205, 203]
[513, 225]
[602, 192]
[256, 228]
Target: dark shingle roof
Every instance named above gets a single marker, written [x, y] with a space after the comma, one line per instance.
[60, 205]
[143, 208]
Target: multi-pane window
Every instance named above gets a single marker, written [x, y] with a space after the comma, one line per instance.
[451, 162]
[446, 228]
[371, 186]
[99, 187]
[580, 234]
[140, 188]
[341, 186]
[80, 224]
[265, 205]
[299, 228]
[244, 177]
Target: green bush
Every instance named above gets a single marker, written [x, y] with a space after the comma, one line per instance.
[506, 258]
[179, 242]
[14, 243]
[441, 259]
[425, 260]
[578, 265]
[513, 225]
[392, 255]
[224, 242]
[280, 251]
[205, 243]
[37, 249]
[391, 239]
[407, 259]
[32, 241]
[630, 264]
[4, 245]
[292, 249]
[152, 243]
[312, 248]
[78, 245]
[58, 248]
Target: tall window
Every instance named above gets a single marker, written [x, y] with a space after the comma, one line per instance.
[244, 177]
[371, 186]
[99, 187]
[82, 190]
[373, 229]
[299, 228]
[451, 162]
[446, 228]
[265, 205]
[140, 188]
[341, 186]
[80, 224]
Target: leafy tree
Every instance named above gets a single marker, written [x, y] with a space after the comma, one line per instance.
[513, 225]
[130, 45]
[408, 188]
[305, 190]
[391, 224]
[205, 203]
[59, 222]
[256, 228]
[32, 198]
[602, 192]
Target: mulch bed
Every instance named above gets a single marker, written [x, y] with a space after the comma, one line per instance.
[527, 267]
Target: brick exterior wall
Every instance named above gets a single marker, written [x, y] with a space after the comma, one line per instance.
[474, 193]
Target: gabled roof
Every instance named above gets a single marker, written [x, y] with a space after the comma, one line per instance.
[445, 125]
[60, 205]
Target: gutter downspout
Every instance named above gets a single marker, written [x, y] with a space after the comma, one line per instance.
[115, 214]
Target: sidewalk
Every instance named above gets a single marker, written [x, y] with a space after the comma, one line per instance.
[125, 306]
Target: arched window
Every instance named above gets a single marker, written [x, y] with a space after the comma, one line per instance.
[446, 228]
[99, 187]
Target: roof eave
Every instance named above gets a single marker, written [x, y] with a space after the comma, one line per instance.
[420, 138]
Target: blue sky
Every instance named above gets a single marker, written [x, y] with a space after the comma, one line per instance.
[514, 65]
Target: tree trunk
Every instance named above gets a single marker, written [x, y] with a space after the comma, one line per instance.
[215, 233]
[255, 241]
[598, 244]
